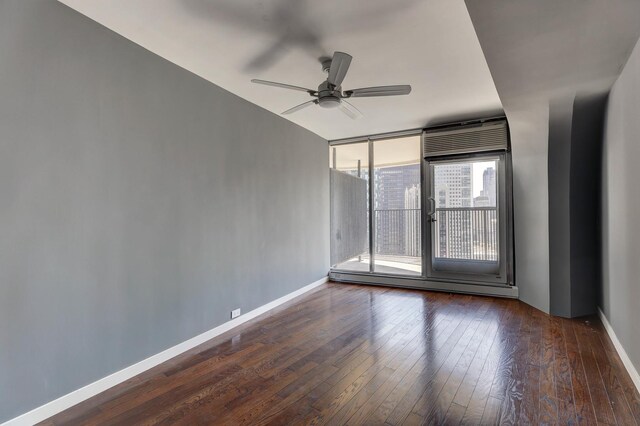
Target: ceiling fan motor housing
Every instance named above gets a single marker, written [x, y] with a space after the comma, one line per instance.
[328, 95]
[329, 101]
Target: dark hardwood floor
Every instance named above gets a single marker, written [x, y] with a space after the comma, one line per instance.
[349, 354]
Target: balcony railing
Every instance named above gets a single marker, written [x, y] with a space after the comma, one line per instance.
[398, 232]
[466, 233]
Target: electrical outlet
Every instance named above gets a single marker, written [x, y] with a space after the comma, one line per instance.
[235, 313]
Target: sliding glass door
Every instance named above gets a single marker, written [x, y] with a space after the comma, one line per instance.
[397, 219]
[420, 209]
[390, 240]
[466, 216]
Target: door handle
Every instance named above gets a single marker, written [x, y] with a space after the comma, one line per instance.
[432, 209]
[432, 202]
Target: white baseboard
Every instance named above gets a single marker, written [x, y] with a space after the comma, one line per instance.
[631, 369]
[69, 400]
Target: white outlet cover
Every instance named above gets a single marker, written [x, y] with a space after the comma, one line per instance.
[235, 313]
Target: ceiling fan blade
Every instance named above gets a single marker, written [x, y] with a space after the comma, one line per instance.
[350, 110]
[404, 89]
[339, 67]
[284, 86]
[299, 107]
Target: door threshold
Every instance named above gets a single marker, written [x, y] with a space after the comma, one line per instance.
[496, 290]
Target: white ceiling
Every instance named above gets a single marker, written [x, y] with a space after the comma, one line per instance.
[541, 50]
[430, 44]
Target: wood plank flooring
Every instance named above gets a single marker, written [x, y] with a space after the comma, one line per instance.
[350, 354]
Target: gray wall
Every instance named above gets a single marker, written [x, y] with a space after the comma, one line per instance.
[529, 132]
[586, 163]
[621, 209]
[575, 148]
[139, 204]
[559, 163]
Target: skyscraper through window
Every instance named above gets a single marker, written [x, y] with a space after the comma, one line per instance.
[464, 223]
[397, 208]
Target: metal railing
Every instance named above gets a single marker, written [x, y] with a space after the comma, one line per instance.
[464, 233]
[398, 232]
[469, 233]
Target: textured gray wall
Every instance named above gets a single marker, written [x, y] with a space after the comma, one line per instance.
[621, 209]
[139, 204]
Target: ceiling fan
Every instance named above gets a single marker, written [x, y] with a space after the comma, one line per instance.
[330, 93]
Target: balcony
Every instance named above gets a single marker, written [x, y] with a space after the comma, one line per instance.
[460, 235]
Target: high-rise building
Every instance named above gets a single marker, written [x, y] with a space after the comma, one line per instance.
[453, 184]
[481, 201]
[489, 186]
[412, 227]
[460, 229]
[391, 216]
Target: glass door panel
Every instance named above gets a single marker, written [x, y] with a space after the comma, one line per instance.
[466, 211]
[349, 181]
[397, 220]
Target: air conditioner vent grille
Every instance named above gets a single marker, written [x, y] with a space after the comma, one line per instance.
[465, 140]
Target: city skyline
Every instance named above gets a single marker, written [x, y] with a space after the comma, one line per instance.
[461, 231]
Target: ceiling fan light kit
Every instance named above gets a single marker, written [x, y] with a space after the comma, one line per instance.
[330, 94]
